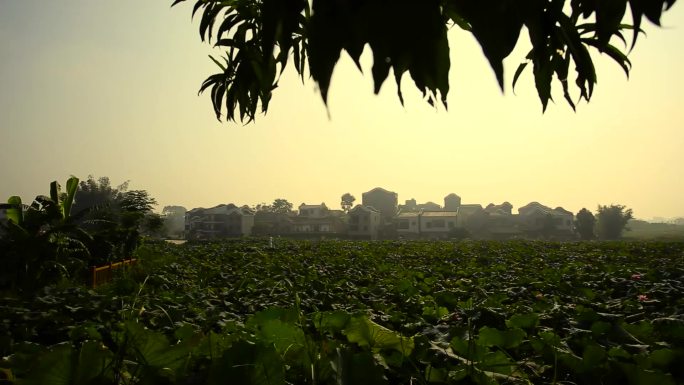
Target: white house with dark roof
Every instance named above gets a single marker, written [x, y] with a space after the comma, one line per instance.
[313, 211]
[364, 222]
[534, 216]
[222, 221]
[426, 224]
[408, 224]
[438, 224]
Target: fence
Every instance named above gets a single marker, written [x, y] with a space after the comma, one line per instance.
[102, 274]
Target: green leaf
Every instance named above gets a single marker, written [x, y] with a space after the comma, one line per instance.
[618, 352]
[327, 28]
[469, 349]
[71, 189]
[248, 364]
[609, 14]
[496, 25]
[497, 362]
[16, 212]
[357, 368]
[55, 193]
[518, 72]
[601, 327]
[332, 321]
[662, 358]
[287, 338]
[65, 365]
[504, 339]
[640, 376]
[365, 332]
[523, 321]
[593, 356]
[152, 349]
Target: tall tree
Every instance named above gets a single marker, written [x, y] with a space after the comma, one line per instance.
[115, 216]
[612, 220]
[97, 194]
[585, 224]
[281, 206]
[260, 38]
[347, 202]
[174, 220]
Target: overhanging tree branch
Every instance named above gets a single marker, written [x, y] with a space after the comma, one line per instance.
[260, 36]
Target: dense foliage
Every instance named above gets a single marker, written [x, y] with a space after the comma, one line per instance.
[60, 236]
[612, 220]
[260, 38]
[363, 313]
[585, 223]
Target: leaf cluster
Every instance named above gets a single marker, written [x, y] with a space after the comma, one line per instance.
[260, 37]
[355, 312]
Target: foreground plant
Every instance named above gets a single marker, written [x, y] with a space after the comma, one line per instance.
[260, 38]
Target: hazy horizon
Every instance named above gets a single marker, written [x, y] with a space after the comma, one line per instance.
[110, 89]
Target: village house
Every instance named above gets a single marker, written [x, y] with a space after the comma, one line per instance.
[222, 221]
[452, 202]
[386, 202]
[538, 221]
[364, 223]
[437, 224]
[318, 220]
[408, 225]
[411, 205]
[426, 224]
[268, 223]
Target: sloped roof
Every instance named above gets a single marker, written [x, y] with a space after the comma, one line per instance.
[364, 208]
[440, 213]
[380, 189]
[534, 206]
[226, 209]
[305, 206]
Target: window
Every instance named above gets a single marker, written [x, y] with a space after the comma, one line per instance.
[402, 225]
[438, 223]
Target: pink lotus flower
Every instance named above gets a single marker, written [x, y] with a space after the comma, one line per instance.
[539, 296]
[636, 277]
[642, 297]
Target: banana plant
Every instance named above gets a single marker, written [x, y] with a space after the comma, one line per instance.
[42, 243]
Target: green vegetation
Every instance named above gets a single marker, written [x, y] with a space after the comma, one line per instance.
[339, 312]
[58, 237]
[642, 230]
[611, 221]
[261, 37]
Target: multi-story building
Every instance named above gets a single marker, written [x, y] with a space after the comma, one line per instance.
[386, 202]
[222, 221]
[452, 202]
[364, 222]
[538, 220]
[426, 224]
[318, 221]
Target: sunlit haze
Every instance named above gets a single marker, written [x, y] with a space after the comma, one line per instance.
[109, 88]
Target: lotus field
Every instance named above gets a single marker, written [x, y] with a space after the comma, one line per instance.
[339, 312]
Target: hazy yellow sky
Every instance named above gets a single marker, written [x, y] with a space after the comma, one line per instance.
[109, 88]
